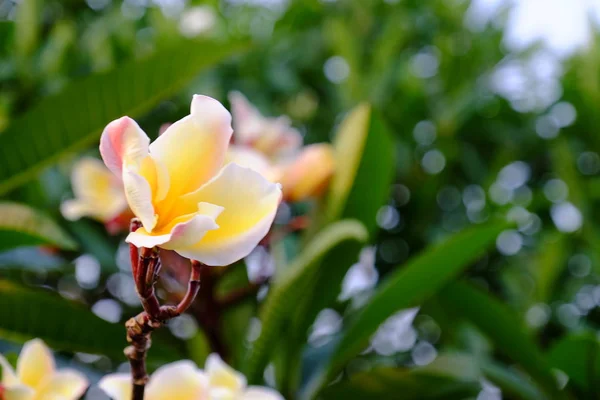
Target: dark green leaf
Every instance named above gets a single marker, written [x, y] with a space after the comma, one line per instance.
[289, 288]
[578, 356]
[389, 383]
[74, 118]
[411, 285]
[21, 225]
[65, 325]
[506, 331]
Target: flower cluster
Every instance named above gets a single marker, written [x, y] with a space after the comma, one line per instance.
[36, 376]
[272, 147]
[269, 146]
[182, 380]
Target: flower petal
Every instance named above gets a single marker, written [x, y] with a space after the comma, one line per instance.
[8, 376]
[193, 148]
[35, 363]
[250, 203]
[98, 193]
[123, 141]
[249, 158]
[64, 384]
[116, 386]
[261, 393]
[139, 196]
[18, 392]
[274, 137]
[183, 231]
[309, 174]
[180, 380]
[222, 376]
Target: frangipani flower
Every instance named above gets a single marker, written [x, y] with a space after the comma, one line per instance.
[182, 380]
[36, 377]
[309, 174]
[273, 137]
[273, 148]
[184, 197]
[98, 193]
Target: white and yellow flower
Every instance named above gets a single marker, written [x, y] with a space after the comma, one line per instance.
[37, 378]
[273, 148]
[182, 380]
[98, 193]
[186, 200]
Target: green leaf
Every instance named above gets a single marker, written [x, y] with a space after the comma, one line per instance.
[288, 289]
[69, 121]
[578, 355]
[409, 286]
[506, 331]
[365, 168]
[21, 225]
[390, 383]
[27, 27]
[65, 325]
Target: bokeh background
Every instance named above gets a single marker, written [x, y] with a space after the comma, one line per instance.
[493, 110]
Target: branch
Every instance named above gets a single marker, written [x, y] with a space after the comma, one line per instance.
[140, 328]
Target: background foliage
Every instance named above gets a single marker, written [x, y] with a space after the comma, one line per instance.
[471, 167]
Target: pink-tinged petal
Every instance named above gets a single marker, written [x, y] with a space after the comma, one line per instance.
[180, 380]
[139, 196]
[261, 393]
[274, 137]
[116, 386]
[64, 384]
[123, 142]
[9, 378]
[193, 148]
[222, 376]
[18, 392]
[250, 203]
[35, 363]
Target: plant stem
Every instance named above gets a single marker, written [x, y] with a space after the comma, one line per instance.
[140, 327]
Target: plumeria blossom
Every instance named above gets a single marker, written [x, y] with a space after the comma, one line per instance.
[273, 148]
[182, 380]
[179, 188]
[98, 193]
[36, 376]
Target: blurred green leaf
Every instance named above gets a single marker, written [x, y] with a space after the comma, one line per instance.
[365, 168]
[21, 225]
[411, 285]
[289, 288]
[65, 325]
[27, 27]
[390, 383]
[506, 331]
[510, 381]
[74, 118]
[578, 356]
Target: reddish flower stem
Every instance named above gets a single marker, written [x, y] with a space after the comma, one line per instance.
[140, 328]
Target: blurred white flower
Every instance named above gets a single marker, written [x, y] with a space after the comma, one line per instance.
[197, 21]
[396, 333]
[361, 277]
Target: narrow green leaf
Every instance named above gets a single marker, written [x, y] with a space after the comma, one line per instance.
[578, 356]
[21, 225]
[390, 383]
[27, 27]
[66, 122]
[65, 325]
[411, 285]
[365, 166]
[288, 289]
[505, 330]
